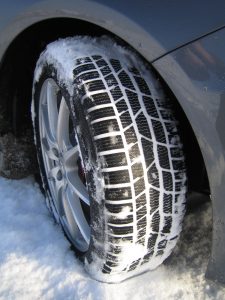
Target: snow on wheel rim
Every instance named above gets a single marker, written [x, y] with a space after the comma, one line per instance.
[63, 165]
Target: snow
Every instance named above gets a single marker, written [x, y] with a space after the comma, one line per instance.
[63, 53]
[36, 261]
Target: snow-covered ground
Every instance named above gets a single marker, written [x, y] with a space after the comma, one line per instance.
[36, 261]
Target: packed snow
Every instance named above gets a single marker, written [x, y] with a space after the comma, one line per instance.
[36, 261]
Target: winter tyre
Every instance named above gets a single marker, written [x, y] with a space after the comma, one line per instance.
[110, 155]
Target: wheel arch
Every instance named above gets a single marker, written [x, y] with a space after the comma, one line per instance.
[16, 91]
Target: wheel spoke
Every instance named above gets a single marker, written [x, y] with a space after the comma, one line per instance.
[70, 157]
[63, 126]
[52, 174]
[78, 215]
[50, 149]
[46, 128]
[57, 184]
[52, 108]
[77, 186]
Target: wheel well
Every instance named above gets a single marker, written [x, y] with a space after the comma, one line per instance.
[196, 170]
[16, 75]
[17, 67]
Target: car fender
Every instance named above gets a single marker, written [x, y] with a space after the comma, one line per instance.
[196, 75]
[153, 28]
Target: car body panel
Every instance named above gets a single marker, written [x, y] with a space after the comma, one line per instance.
[196, 75]
[151, 27]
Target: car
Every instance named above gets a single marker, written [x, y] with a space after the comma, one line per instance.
[117, 108]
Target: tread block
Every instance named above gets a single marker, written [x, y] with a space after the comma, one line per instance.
[137, 170]
[143, 87]
[167, 203]
[120, 230]
[134, 265]
[111, 257]
[116, 65]
[141, 241]
[125, 80]
[155, 221]
[118, 239]
[101, 113]
[134, 152]
[176, 152]
[141, 233]
[101, 98]
[142, 223]
[101, 63]
[121, 106]
[130, 135]
[178, 165]
[143, 126]
[159, 131]
[167, 181]
[133, 100]
[167, 114]
[109, 143]
[111, 264]
[96, 57]
[126, 119]
[163, 103]
[106, 270]
[117, 221]
[139, 186]
[115, 160]
[140, 201]
[162, 244]
[174, 139]
[116, 194]
[117, 177]
[163, 157]
[111, 80]
[141, 212]
[83, 60]
[116, 93]
[115, 249]
[118, 208]
[86, 76]
[105, 127]
[178, 186]
[147, 257]
[159, 253]
[153, 176]
[83, 68]
[134, 71]
[151, 242]
[148, 151]
[95, 85]
[105, 70]
[154, 200]
[150, 107]
[167, 224]
[171, 127]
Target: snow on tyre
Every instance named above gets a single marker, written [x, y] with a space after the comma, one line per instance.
[110, 156]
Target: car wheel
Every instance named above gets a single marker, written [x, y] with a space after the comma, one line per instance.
[110, 155]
